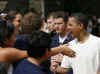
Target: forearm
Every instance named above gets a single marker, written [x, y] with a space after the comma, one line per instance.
[16, 54]
[8, 55]
[55, 51]
[20, 54]
[62, 49]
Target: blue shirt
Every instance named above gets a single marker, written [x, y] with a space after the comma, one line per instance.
[26, 67]
[21, 42]
[55, 43]
[55, 40]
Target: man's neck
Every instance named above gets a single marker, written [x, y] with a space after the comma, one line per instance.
[34, 61]
[63, 34]
[83, 36]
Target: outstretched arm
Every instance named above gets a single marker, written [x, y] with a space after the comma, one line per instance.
[9, 55]
[62, 49]
[16, 54]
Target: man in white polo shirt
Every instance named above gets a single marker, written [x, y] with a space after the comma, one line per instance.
[86, 46]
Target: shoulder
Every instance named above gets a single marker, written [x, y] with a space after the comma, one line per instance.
[20, 37]
[26, 67]
[95, 39]
[55, 37]
[22, 67]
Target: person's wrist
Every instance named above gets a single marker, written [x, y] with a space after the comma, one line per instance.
[61, 50]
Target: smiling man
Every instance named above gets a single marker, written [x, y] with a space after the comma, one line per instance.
[86, 46]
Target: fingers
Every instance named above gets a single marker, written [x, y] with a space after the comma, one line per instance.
[56, 61]
[53, 66]
[57, 58]
[71, 54]
[61, 70]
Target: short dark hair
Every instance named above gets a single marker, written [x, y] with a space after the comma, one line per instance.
[6, 31]
[81, 19]
[11, 15]
[51, 14]
[37, 44]
[31, 22]
[61, 14]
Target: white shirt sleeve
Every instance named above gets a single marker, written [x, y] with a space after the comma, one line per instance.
[66, 62]
[99, 55]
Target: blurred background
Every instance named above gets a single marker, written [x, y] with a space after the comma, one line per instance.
[44, 6]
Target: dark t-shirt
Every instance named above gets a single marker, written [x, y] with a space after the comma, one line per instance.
[21, 42]
[26, 67]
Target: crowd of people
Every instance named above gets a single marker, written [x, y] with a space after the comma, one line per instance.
[57, 44]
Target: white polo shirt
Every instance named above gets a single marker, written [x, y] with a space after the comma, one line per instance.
[87, 59]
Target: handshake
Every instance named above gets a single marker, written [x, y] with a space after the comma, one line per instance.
[56, 59]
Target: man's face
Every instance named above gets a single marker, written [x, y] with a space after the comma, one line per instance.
[59, 25]
[50, 21]
[74, 27]
[17, 21]
[50, 24]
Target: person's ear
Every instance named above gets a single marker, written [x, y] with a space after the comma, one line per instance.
[81, 26]
[47, 53]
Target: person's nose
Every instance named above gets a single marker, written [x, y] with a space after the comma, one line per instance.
[56, 26]
[68, 27]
